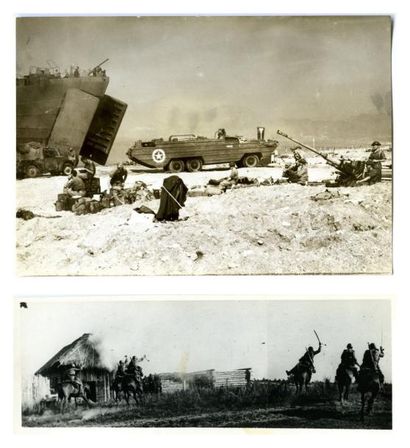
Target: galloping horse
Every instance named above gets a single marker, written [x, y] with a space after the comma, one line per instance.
[344, 379]
[301, 377]
[369, 387]
[68, 390]
[130, 386]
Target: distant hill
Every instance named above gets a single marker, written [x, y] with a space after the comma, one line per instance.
[359, 130]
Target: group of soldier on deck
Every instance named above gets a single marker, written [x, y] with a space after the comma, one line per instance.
[349, 361]
[298, 171]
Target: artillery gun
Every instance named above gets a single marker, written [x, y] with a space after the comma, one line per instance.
[349, 171]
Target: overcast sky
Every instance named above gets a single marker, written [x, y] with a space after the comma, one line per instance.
[268, 336]
[196, 74]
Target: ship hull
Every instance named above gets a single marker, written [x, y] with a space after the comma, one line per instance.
[38, 104]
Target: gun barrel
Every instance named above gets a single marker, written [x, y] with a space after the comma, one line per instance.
[324, 156]
[100, 64]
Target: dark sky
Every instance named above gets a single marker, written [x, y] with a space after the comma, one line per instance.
[196, 74]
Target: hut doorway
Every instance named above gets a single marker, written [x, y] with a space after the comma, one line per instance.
[92, 390]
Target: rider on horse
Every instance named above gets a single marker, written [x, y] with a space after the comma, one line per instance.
[70, 376]
[133, 369]
[348, 361]
[371, 360]
[306, 361]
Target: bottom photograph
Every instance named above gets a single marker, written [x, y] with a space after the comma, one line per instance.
[246, 363]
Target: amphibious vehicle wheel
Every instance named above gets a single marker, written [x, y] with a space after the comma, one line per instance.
[194, 165]
[176, 166]
[32, 171]
[67, 169]
[250, 161]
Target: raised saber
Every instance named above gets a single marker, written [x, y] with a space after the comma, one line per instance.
[318, 339]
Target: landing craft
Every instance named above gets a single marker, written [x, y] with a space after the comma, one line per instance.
[68, 115]
[190, 152]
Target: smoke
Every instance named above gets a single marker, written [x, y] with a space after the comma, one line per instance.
[111, 350]
[383, 104]
[378, 102]
[108, 355]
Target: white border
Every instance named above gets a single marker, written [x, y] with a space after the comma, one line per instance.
[395, 285]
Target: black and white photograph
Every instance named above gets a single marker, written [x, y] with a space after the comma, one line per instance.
[204, 145]
[292, 362]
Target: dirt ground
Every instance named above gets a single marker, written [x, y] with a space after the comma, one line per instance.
[276, 229]
[329, 414]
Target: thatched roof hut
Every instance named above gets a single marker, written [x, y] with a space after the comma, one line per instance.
[85, 354]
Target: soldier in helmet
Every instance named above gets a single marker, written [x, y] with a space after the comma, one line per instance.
[298, 172]
[134, 369]
[375, 161]
[349, 361]
[306, 361]
[119, 374]
[119, 176]
[371, 360]
[71, 376]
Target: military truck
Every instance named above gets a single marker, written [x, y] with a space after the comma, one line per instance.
[188, 152]
[33, 160]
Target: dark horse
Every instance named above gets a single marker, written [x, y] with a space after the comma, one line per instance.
[369, 387]
[128, 385]
[68, 390]
[344, 379]
[301, 377]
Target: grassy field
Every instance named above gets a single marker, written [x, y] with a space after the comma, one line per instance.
[264, 405]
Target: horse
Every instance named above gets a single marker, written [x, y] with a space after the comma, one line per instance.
[369, 387]
[68, 390]
[151, 384]
[117, 389]
[344, 379]
[129, 385]
[301, 377]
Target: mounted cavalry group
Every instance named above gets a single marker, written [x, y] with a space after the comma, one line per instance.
[129, 382]
[368, 375]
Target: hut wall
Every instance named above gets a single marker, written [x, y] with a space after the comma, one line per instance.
[33, 389]
[170, 386]
[232, 378]
[102, 381]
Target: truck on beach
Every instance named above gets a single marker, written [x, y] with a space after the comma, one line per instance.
[188, 152]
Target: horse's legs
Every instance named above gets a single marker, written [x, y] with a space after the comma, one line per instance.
[370, 404]
[362, 408]
[340, 387]
[347, 390]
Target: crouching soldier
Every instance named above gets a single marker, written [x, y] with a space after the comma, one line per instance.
[119, 176]
[371, 360]
[348, 362]
[75, 186]
[306, 361]
[298, 172]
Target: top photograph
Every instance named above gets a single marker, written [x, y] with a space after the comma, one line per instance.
[204, 145]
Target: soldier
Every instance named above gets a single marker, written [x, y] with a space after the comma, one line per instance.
[119, 176]
[120, 371]
[375, 162]
[349, 361]
[297, 173]
[89, 167]
[371, 359]
[75, 185]
[134, 369]
[71, 375]
[306, 361]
